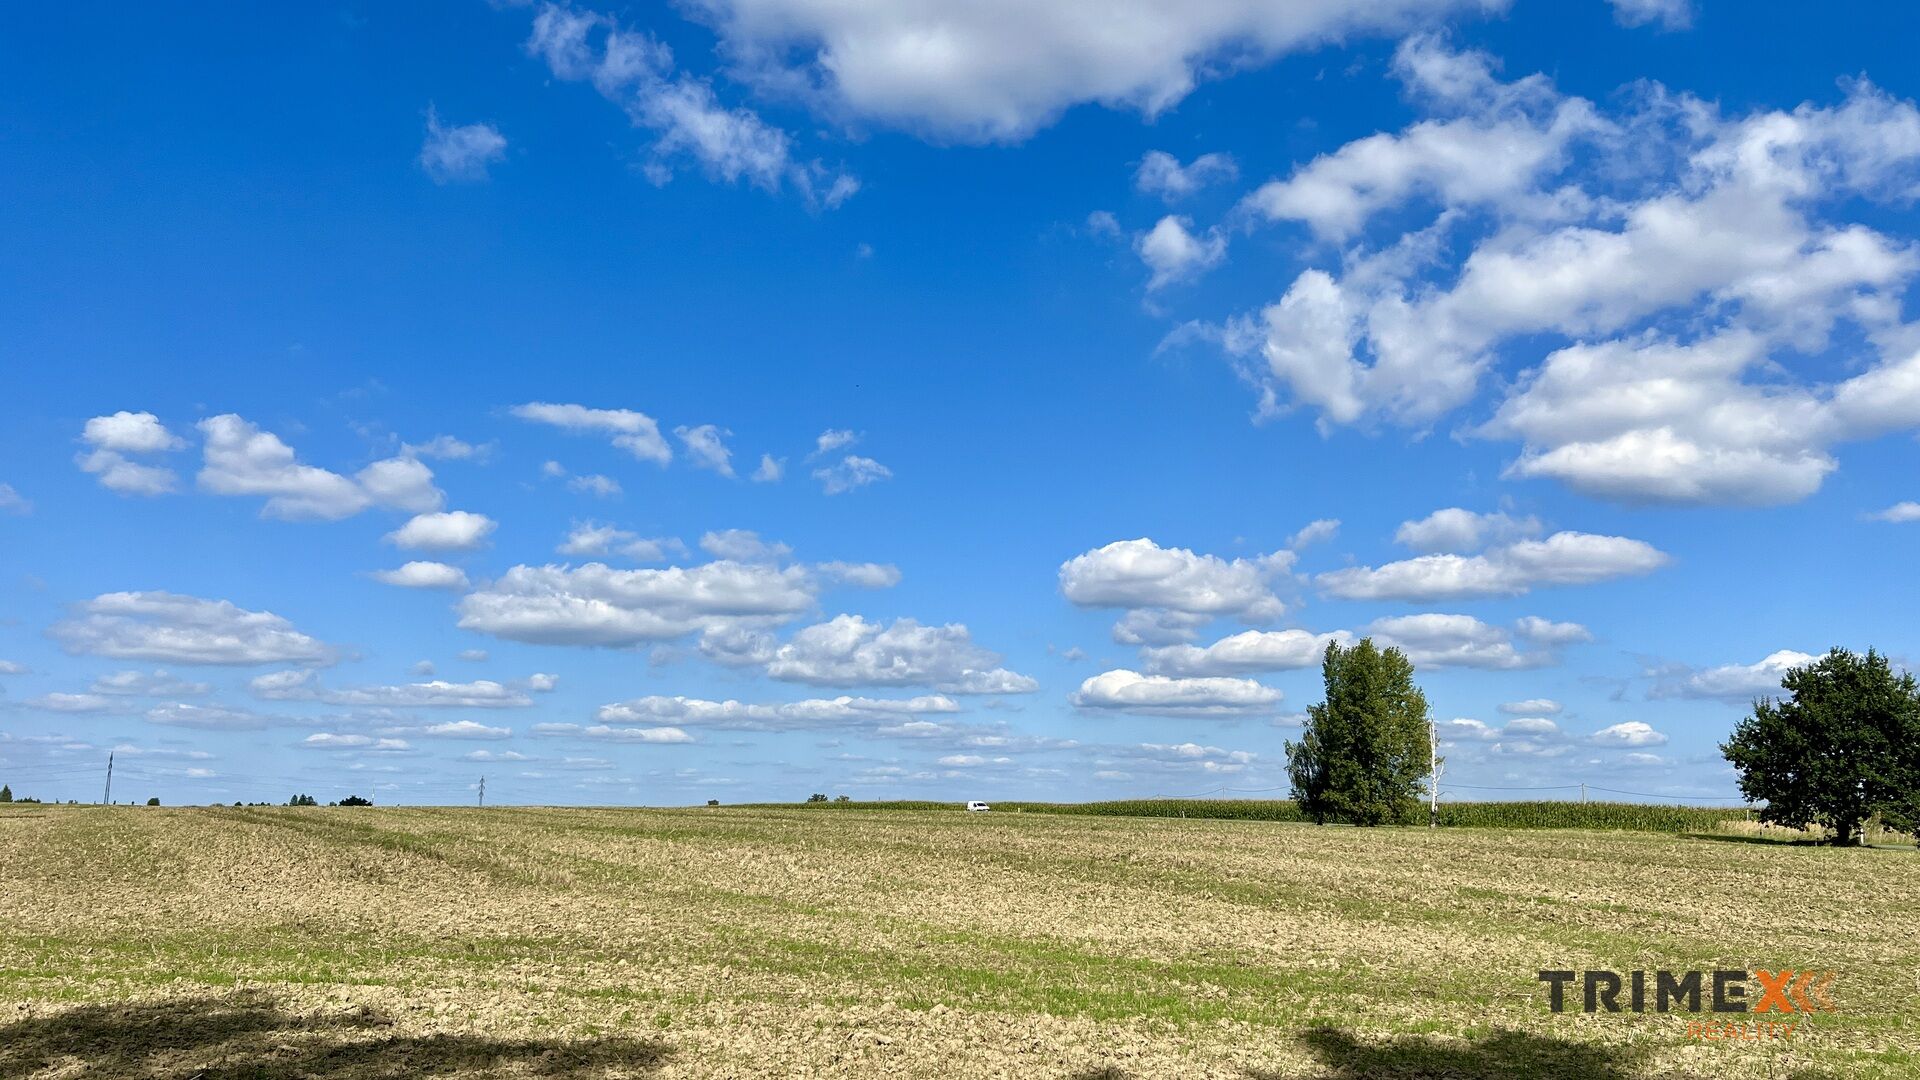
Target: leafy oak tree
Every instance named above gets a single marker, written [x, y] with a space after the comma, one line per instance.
[1364, 750]
[1843, 745]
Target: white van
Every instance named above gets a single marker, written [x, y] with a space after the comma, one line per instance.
[977, 807]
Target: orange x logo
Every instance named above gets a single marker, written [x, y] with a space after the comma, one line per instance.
[1773, 991]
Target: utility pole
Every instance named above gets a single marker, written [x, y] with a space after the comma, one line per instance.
[1583, 793]
[1435, 766]
[483, 791]
[108, 797]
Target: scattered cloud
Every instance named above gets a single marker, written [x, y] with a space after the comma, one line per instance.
[423, 575]
[707, 448]
[635, 71]
[598, 605]
[771, 471]
[847, 650]
[1462, 531]
[850, 473]
[1160, 173]
[1729, 682]
[1314, 532]
[148, 684]
[996, 72]
[634, 432]
[176, 629]
[602, 487]
[1161, 695]
[1630, 733]
[1565, 558]
[449, 530]
[240, 459]
[1667, 14]
[1244, 653]
[1174, 253]
[817, 713]
[298, 685]
[460, 153]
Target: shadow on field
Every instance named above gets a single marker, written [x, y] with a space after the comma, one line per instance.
[1506, 1055]
[249, 1035]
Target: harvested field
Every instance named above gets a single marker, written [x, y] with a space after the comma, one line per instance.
[384, 942]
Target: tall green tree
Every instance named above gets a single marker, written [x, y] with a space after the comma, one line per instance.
[1841, 746]
[1364, 750]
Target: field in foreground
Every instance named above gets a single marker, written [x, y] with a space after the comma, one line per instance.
[351, 943]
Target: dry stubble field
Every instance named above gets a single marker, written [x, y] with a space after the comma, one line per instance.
[350, 943]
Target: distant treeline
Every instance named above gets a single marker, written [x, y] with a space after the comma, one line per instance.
[1638, 817]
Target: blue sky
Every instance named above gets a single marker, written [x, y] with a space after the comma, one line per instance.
[749, 398]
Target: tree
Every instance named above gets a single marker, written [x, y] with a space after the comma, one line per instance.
[816, 797]
[843, 798]
[154, 801]
[713, 802]
[6, 793]
[355, 800]
[1364, 750]
[303, 800]
[1843, 745]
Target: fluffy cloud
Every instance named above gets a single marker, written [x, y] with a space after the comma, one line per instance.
[1565, 558]
[113, 437]
[1174, 253]
[1437, 640]
[304, 686]
[1460, 531]
[1729, 682]
[130, 433]
[597, 605]
[833, 439]
[847, 650]
[1160, 173]
[707, 448]
[1173, 590]
[450, 530]
[1630, 733]
[1515, 135]
[1666, 297]
[172, 628]
[791, 716]
[423, 575]
[771, 471]
[12, 502]
[999, 70]
[636, 72]
[634, 432]
[849, 473]
[460, 153]
[240, 459]
[1243, 653]
[1161, 695]
[593, 539]
[1314, 532]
